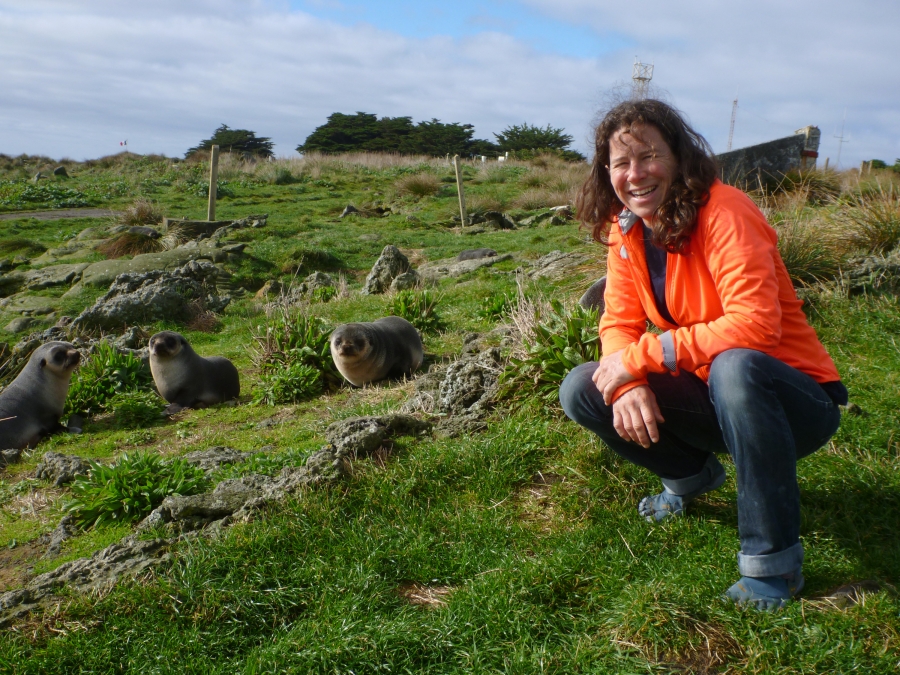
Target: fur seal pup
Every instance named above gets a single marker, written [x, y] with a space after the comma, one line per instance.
[186, 379]
[476, 254]
[30, 407]
[366, 352]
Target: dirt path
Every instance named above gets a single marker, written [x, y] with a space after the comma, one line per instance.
[60, 213]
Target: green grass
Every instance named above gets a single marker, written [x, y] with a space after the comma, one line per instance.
[522, 540]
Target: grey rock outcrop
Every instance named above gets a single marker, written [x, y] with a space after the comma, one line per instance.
[557, 264]
[97, 573]
[55, 275]
[10, 456]
[879, 274]
[233, 499]
[391, 264]
[61, 171]
[451, 267]
[215, 458]
[406, 281]
[19, 324]
[593, 296]
[463, 392]
[60, 469]
[153, 296]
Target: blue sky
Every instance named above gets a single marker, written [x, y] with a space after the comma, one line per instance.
[80, 76]
[468, 18]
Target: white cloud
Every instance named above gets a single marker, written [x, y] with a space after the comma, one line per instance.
[80, 76]
[790, 63]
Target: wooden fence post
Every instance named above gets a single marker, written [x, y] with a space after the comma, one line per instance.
[459, 188]
[213, 181]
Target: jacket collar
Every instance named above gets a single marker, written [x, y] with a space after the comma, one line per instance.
[627, 220]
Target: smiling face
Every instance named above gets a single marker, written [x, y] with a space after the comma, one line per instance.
[641, 168]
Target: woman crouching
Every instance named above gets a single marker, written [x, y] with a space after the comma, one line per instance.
[736, 368]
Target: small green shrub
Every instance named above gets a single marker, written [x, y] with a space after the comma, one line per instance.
[494, 307]
[293, 383]
[556, 341]
[285, 342]
[322, 294]
[131, 488]
[419, 308]
[105, 374]
[136, 408]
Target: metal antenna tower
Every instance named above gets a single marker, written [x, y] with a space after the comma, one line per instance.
[641, 75]
[841, 141]
[731, 130]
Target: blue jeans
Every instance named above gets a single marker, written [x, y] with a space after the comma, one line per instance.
[764, 413]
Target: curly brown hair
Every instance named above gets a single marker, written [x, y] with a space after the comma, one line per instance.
[696, 170]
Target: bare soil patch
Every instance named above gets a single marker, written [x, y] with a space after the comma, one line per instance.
[14, 564]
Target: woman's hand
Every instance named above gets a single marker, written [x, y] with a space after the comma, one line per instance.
[610, 375]
[636, 414]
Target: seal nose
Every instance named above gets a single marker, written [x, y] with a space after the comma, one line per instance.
[73, 358]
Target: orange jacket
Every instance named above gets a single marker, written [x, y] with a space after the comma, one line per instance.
[729, 290]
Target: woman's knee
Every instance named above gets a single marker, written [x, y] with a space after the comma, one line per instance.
[736, 376]
[576, 393]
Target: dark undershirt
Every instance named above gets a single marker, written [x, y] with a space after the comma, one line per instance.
[656, 266]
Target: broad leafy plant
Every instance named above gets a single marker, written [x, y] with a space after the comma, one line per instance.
[419, 308]
[559, 340]
[106, 374]
[294, 354]
[131, 488]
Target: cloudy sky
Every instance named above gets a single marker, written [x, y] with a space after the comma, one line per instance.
[77, 77]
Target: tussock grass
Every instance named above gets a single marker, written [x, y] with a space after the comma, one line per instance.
[418, 185]
[141, 212]
[542, 198]
[810, 249]
[871, 219]
[130, 244]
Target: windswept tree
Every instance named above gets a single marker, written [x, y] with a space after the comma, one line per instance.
[236, 140]
[526, 137]
[367, 133]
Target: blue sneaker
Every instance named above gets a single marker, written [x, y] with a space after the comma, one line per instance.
[667, 503]
[765, 594]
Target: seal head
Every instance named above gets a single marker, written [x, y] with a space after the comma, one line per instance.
[30, 407]
[185, 378]
[367, 352]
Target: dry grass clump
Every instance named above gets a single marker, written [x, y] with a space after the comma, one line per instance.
[141, 212]
[811, 251]
[418, 185]
[201, 319]
[485, 202]
[871, 219]
[130, 243]
[543, 198]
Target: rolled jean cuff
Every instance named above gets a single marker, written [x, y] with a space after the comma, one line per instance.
[697, 482]
[771, 564]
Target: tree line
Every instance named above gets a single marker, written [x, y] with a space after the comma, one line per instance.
[366, 132]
